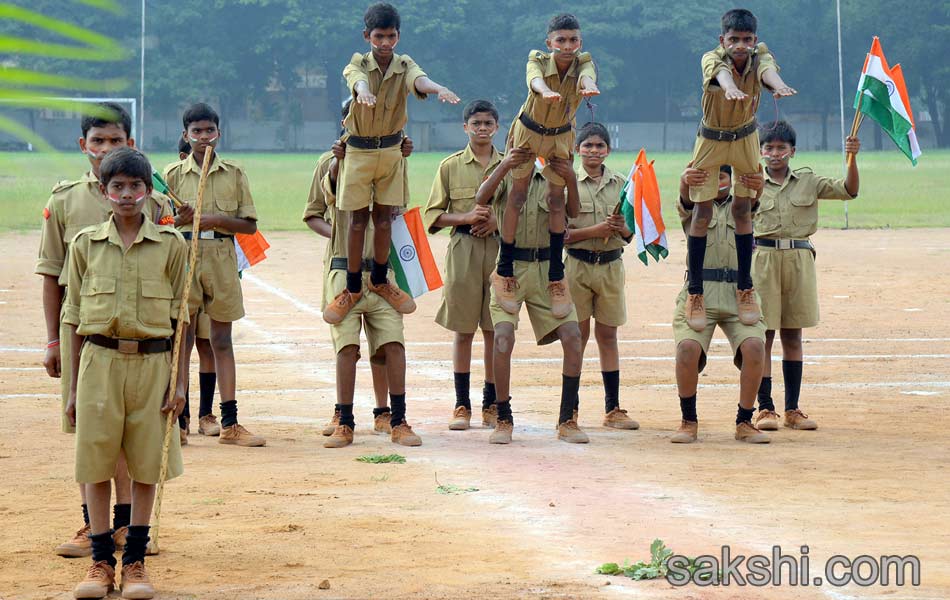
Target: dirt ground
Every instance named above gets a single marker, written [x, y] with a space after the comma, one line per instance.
[274, 522]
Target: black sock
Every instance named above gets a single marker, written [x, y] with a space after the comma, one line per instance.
[346, 415]
[206, 383]
[121, 515]
[504, 411]
[488, 395]
[398, 402]
[688, 408]
[569, 386]
[85, 514]
[103, 547]
[765, 394]
[381, 411]
[506, 259]
[135, 543]
[611, 389]
[354, 282]
[556, 264]
[792, 372]
[462, 388]
[744, 246]
[696, 255]
[378, 273]
[186, 413]
[744, 414]
[228, 413]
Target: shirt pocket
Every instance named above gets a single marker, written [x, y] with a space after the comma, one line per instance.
[462, 198]
[225, 197]
[766, 219]
[804, 209]
[97, 299]
[155, 303]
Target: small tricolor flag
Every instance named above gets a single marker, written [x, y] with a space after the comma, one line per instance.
[410, 256]
[539, 163]
[882, 95]
[641, 208]
[250, 249]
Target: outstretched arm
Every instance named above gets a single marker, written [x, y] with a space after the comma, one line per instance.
[539, 87]
[773, 81]
[424, 85]
[728, 84]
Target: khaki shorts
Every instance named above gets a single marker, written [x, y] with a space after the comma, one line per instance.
[788, 284]
[720, 310]
[203, 329]
[597, 291]
[66, 359]
[383, 325]
[372, 177]
[466, 294]
[545, 146]
[216, 287]
[118, 407]
[533, 293]
[743, 155]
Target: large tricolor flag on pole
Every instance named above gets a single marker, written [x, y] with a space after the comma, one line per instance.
[410, 256]
[641, 208]
[882, 95]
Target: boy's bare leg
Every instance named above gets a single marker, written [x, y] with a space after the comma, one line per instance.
[346, 360]
[609, 349]
[462, 376]
[753, 357]
[792, 378]
[402, 433]
[696, 255]
[688, 354]
[767, 419]
[378, 278]
[100, 578]
[503, 279]
[135, 581]
[501, 358]
[344, 302]
[231, 431]
[749, 313]
[558, 289]
[78, 545]
[570, 337]
[381, 414]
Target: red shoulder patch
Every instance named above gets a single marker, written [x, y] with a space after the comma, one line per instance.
[167, 220]
[46, 214]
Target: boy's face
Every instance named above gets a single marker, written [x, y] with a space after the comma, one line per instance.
[725, 185]
[776, 154]
[565, 43]
[126, 194]
[201, 135]
[481, 127]
[383, 41]
[593, 151]
[99, 141]
[738, 44]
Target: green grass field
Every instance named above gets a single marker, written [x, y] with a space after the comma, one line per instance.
[893, 193]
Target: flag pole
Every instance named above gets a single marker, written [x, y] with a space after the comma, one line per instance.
[841, 100]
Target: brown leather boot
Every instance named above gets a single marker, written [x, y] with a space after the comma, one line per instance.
[135, 582]
[238, 436]
[99, 581]
[342, 436]
[506, 293]
[561, 302]
[490, 416]
[766, 420]
[746, 432]
[618, 419]
[398, 299]
[687, 433]
[381, 423]
[208, 425]
[330, 427]
[796, 419]
[118, 536]
[78, 546]
[696, 312]
[461, 419]
[748, 307]
[502, 432]
[571, 433]
[403, 435]
[341, 306]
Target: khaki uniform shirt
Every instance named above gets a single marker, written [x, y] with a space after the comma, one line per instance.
[455, 185]
[124, 293]
[391, 89]
[75, 205]
[720, 113]
[720, 238]
[789, 210]
[533, 230]
[227, 191]
[598, 199]
[556, 114]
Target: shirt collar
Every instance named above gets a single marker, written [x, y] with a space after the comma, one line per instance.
[216, 163]
[395, 66]
[468, 155]
[551, 68]
[108, 231]
[791, 175]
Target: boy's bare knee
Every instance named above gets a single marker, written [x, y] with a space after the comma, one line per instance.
[688, 353]
[742, 209]
[504, 339]
[349, 354]
[753, 352]
[570, 335]
[220, 341]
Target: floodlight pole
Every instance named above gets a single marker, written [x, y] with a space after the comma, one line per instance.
[844, 158]
[141, 133]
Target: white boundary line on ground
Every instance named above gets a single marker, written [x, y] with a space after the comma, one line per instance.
[280, 293]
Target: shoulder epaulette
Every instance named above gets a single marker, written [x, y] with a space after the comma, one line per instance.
[170, 230]
[802, 170]
[538, 55]
[584, 57]
[64, 185]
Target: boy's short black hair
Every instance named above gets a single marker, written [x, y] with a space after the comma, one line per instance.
[183, 146]
[125, 161]
[564, 21]
[199, 112]
[777, 131]
[120, 117]
[477, 106]
[381, 15]
[739, 19]
[589, 129]
[725, 169]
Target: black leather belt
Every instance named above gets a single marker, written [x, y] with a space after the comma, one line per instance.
[539, 128]
[149, 346]
[374, 143]
[465, 228]
[595, 258]
[217, 235]
[724, 275]
[719, 135]
[785, 244]
[338, 263]
[532, 254]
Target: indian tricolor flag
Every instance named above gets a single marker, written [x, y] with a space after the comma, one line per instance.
[410, 256]
[641, 208]
[882, 95]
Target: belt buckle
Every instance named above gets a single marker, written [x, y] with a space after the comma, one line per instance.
[598, 257]
[379, 142]
[727, 136]
[726, 275]
[128, 346]
[784, 244]
[207, 234]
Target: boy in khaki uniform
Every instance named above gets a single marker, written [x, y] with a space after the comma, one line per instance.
[733, 76]
[374, 170]
[470, 258]
[216, 288]
[382, 322]
[126, 278]
[720, 274]
[529, 288]
[784, 261]
[72, 207]
[595, 240]
[557, 82]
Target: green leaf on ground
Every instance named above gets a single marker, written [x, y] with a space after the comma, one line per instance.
[379, 459]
